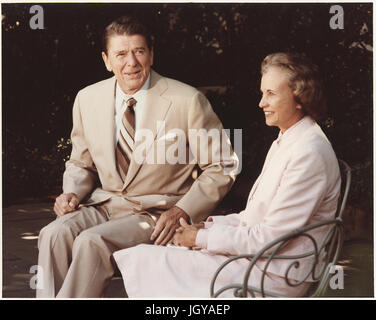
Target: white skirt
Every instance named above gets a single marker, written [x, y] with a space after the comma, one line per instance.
[168, 272]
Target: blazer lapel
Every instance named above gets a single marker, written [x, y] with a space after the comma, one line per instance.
[155, 109]
[105, 106]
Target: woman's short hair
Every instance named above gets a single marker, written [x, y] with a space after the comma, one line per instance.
[126, 25]
[304, 81]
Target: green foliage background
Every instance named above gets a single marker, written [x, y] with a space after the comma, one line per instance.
[216, 45]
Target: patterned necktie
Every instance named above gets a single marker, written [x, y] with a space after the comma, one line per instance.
[124, 146]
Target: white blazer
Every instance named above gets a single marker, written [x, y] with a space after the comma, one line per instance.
[299, 185]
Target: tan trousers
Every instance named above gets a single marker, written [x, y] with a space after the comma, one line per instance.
[75, 250]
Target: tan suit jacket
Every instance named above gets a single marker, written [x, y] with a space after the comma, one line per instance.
[92, 174]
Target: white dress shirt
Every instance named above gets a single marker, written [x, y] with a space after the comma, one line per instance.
[120, 106]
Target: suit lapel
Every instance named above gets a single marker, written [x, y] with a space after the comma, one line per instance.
[105, 106]
[155, 109]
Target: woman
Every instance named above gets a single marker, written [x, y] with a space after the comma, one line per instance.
[299, 185]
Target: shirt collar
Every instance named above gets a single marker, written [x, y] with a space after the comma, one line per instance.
[295, 130]
[120, 94]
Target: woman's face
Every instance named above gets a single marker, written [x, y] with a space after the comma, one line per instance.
[277, 102]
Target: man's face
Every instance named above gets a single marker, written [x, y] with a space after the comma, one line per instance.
[130, 59]
[277, 100]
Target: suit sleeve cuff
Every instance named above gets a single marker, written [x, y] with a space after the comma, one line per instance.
[202, 238]
[208, 224]
[231, 219]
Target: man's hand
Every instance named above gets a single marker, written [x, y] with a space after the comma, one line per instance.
[185, 236]
[65, 203]
[167, 224]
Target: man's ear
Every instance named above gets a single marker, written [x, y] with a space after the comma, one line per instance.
[106, 61]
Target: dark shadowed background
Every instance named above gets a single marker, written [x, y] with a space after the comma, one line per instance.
[219, 46]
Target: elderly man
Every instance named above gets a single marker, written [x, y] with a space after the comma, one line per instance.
[112, 199]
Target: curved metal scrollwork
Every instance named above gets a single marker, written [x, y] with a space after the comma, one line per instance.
[331, 241]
